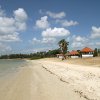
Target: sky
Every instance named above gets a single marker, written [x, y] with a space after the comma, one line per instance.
[28, 26]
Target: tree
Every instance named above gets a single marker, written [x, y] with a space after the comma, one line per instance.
[98, 52]
[95, 52]
[63, 44]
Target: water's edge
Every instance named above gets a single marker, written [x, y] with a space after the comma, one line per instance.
[10, 66]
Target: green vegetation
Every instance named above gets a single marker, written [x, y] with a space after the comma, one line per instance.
[32, 56]
[98, 52]
[63, 44]
[95, 52]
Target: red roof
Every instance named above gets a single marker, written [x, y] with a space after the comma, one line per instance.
[73, 52]
[86, 49]
[68, 53]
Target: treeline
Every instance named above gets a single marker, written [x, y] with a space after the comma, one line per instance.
[96, 52]
[37, 55]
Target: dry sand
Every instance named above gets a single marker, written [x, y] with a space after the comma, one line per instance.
[52, 80]
[93, 61]
[84, 79]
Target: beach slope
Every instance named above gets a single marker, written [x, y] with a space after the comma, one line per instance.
[48, 80]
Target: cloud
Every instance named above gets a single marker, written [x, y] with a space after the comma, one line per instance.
[10, 37]
[90, 41]
[55, 32]
[4, 48]
[42, 23]
[20, 26]
[1, 12]
[51, 36]
[98, 43]
[20, 15]
[35, 41]
[95, 32]
[77, 44]
[38, 49]
[79, 41]
[10, 27]
[48, 40]
[66, 23]
[43, 41]
[20, 19]
[7, 25]
[56, 15]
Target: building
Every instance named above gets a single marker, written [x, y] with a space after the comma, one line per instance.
[87, 52]
[61, 56]
[74, 54]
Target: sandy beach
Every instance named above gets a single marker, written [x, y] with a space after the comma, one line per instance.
[52, 79]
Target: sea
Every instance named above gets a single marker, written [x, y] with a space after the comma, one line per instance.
[10, 66]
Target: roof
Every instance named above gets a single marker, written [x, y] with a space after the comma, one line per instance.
[73, 52]
[67, 54]
[86, 49]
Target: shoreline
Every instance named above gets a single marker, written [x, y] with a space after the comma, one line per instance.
[41, 79]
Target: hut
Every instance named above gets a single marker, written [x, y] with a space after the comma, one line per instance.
[87, 52]
[74, 54]
[61, 56]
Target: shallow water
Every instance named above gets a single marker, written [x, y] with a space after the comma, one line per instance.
[9, 66]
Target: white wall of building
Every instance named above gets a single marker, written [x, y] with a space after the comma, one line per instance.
[87, 55]
[60, 57]
[74, 57]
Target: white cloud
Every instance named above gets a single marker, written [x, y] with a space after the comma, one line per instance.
[42, 23]
[38, 49]
[79, 41]
[1, 12]
[10, 27]
[7, 25]
[56, 15]
[55, 32]
[10, 37]
[6, 21]
[95, 32]
[50, 36]
[20, 26]
[35, 41]
[43, 40]
[79, 38]
[20, 19]
[67, 23]
[48, 40]
[98, 43]
[4, 48]
[20, 15]
[77, 44]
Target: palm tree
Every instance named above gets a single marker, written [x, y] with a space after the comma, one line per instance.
[63, 44]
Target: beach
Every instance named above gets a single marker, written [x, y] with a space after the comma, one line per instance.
[52, 79]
